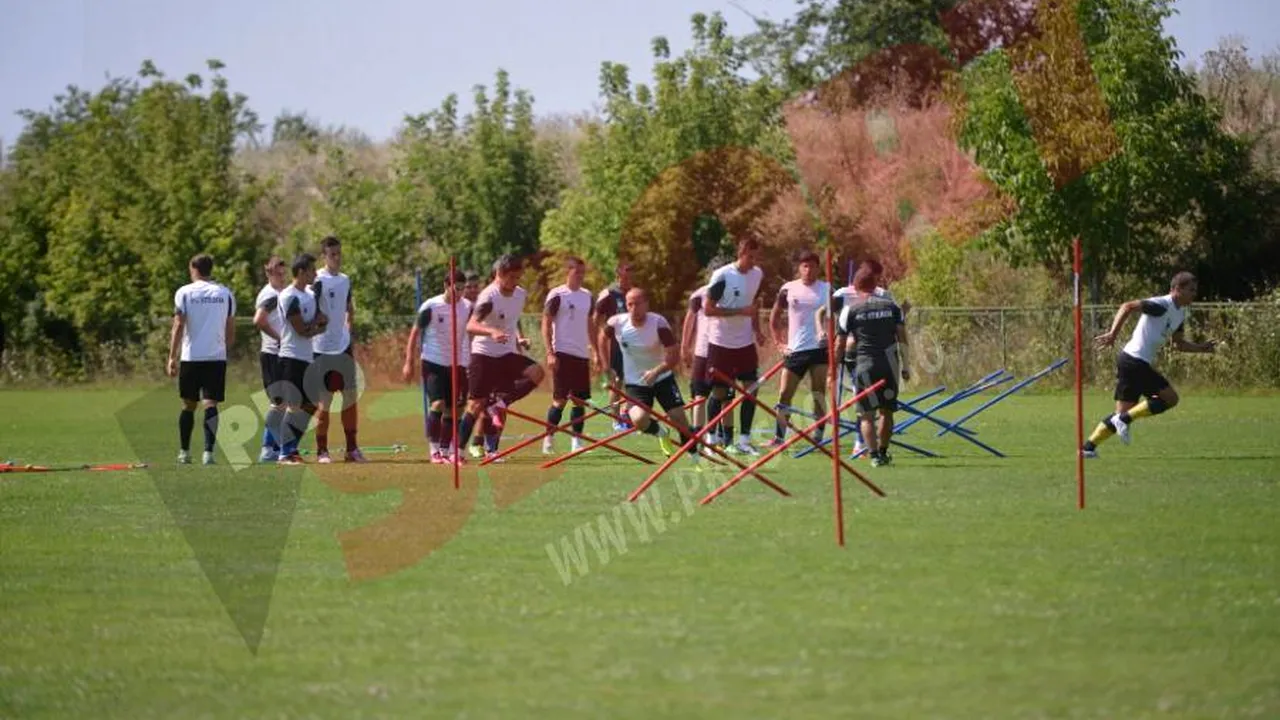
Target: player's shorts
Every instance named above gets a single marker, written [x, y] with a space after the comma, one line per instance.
[437, 380]
[202, 380]
[339, 373]
[698, 385]
[866, 371]
[742, 364]
[294, 374]
[1136, 379]
[572, 377]
[272, 379]
[488, 375]
[800, 362]
[666, 392]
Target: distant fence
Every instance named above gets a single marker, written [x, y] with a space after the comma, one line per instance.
[950, 345]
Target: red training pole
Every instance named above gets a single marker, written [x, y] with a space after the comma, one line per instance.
[1078, 264]
[453, 373]
[835, 413]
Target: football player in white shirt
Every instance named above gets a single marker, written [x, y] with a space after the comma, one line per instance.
[203, 328]
[335, 356]
[1141, 391]
[433, 340]
[568, 328]
[733, 323]
[612, 301]
[650, 355]
[266, 318]
[300, 321]
[500, 374]
[470, 292]
[804, 347]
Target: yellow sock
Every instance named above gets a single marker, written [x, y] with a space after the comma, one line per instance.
[1141, 410]
[1101, 434]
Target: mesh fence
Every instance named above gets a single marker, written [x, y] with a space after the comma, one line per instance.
[950, 346]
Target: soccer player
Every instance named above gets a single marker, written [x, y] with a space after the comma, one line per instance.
[875, 326]
[650, 355]
[694, 351]
[204, 326]
[1141, 391]
[804, 347]
[334, 354]
[435, 344]
[300, 320]
[612, 301]
[267, 320]
[568, 325]
[470, 292]
[733, 325]
[499, 375]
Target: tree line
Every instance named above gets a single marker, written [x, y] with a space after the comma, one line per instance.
[933, 135]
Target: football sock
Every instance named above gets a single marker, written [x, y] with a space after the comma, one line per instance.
[780, 426]
[714, 406]
[210, 428]
[1146, 408]
[465, 426]
[651, 429]
[446, 434]
[554, 415]
[433, 428]
[747, 414]
[350, 420]
[269, 438]
[322, 432]
[491, 441]
[186, 424]
[576, 415]
[1101, 434]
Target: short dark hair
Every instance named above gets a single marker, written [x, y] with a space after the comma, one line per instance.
[472, 276]
[864, 280]
[575, 260]
[303, 263]
[507, 263]
[330, 241]
[748, 243]
[457, 278]
[806, 256]
[203, 264]
[1182, 280]
[875, 267]
[622, 265]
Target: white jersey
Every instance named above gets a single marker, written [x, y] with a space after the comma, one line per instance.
[434, 323]
[332, 294]
[1161, 318]
[700, 339]
[570, 312]
[296, 302]
[205, 307]
[500, 312]
[732, 289]
[267, 301]
[643, 346]
[802, 302]
[848, 290]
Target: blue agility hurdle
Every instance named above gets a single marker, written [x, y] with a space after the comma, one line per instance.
[964, 432]
[849, 427]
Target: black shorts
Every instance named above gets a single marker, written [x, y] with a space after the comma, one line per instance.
[698, 385]
[866, 371]
[294, 374]
[203, 380]
[1136, 379]
[272, 379]
[799, 363]
[666, 392]
[338, 374]
[438, 382]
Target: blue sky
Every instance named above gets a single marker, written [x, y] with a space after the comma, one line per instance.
[365, 64]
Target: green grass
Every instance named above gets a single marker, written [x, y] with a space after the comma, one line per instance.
[974, 590]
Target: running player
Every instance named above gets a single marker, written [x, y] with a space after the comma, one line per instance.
[435, 345]
[733, 325]
[612, 301]
[333, 352]
[300, 320]
[204, 326]
[267, 320]
[499, 375]
[874, 325]
[804, 347]
[1141, 391]
[470, 292]
[568, 325]
[650, 355]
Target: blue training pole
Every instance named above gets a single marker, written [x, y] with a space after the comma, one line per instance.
[955, 426]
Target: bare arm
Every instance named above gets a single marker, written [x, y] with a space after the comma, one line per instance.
[175, 339]
[1109, 337]
[415, 336]
[603, 340]
[1181, 344]
[546, 334]
[775, 319]
[904, 360]
[686, 333]
[231, 330]
[262, 321]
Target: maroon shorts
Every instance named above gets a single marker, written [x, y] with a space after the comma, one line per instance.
[738, 363]
[572, 377]
[488, 375]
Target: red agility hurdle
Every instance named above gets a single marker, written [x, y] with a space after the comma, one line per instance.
[562, 428]
[604, 442]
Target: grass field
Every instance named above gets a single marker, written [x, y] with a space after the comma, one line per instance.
[974, 590]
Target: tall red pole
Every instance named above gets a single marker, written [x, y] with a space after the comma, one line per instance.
[1079, 321]
[453, 372]
[835, 410]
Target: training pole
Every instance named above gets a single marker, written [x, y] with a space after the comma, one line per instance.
[835, 417]
[422, 382]
[1078, 264]
[453, 373]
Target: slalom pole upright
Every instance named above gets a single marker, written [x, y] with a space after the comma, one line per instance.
[417, 300]
[1077, 264]
[835, 416]
[453, 371]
